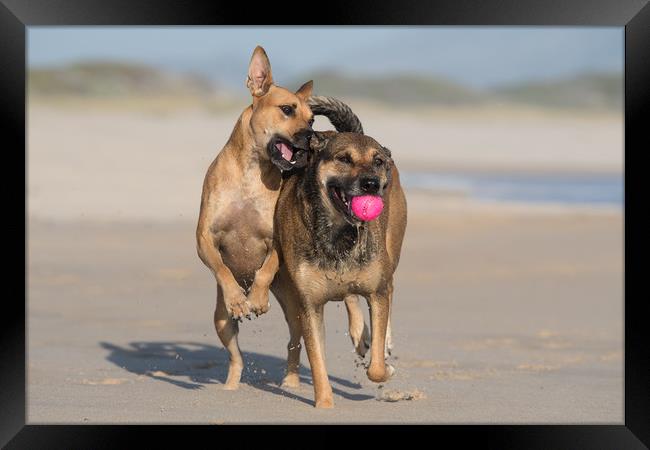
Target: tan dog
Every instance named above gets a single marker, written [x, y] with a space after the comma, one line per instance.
[328, 254]
[235, 228]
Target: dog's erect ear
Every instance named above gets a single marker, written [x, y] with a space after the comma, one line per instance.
[305, 90]
[320, 139]
[259, 78]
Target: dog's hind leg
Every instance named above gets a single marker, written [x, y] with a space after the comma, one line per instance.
[388, 350]
[356, 326]
[292, 316]
[227, 330]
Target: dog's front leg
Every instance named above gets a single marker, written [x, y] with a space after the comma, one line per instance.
[379, 371]
[258, 297]
[233, 294]
[314, 336]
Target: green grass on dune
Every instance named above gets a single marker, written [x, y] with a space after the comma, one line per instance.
[596, 91]
[112, 79]
[119, 80]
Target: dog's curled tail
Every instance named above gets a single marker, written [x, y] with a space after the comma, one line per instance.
[340, 114]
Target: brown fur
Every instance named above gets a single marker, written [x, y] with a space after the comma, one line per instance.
[328, 256]
[235, 228]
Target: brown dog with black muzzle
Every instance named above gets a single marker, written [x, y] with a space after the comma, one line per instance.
[235, 228]
[330, 250]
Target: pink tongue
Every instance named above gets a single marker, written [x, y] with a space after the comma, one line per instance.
[285, 150]
[367, 207]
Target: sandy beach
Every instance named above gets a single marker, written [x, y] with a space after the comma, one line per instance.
[503, 313]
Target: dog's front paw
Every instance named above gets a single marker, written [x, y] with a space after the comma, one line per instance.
[380, 374]
[258, 300]
[237, 305]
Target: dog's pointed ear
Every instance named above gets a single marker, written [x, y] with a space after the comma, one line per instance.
[320, 139]
[260, 77]
[305, 90]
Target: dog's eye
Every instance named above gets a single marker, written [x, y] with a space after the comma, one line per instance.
[344, 159]
[379, 162]
[287, 109]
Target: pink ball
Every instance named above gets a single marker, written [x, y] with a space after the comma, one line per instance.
[367, 207]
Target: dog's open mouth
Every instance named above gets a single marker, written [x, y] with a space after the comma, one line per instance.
[284, 154]
[285, 150]
[355, 208]
[341, 201]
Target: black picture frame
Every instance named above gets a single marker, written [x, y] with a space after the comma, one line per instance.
[634, 15]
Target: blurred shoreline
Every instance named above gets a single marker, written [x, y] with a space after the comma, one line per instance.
[589, 90]
[127, 165]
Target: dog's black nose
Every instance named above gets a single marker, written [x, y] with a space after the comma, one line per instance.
[369, 185]
[302, 137]
[305, 133]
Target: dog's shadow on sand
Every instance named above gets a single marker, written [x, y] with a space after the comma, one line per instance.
[207, 364]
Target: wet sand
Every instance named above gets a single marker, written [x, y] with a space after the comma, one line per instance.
[503, 313]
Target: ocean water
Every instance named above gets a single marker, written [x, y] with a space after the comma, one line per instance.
[569, 189]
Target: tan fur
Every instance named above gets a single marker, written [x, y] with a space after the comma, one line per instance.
[305, 285]
[235, 228]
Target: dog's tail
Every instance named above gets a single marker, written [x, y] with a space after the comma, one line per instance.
[340, 114]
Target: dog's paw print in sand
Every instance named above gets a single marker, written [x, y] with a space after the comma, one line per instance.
[396, 395]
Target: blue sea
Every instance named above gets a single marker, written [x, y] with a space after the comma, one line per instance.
[569, 189]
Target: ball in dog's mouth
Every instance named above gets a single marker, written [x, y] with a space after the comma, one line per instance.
[367, 207]
[361, 207]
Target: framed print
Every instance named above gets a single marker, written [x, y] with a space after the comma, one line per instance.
[439, 203]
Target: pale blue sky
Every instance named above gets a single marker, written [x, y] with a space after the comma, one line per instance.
[478, 56]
